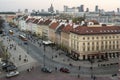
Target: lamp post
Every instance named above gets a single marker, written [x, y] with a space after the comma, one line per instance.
[92, 74]
[44, 56]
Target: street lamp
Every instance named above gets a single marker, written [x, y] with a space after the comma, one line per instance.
[92, 75]
[44, 56]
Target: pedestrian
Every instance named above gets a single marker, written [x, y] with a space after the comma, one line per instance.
[55, 68]
[32, 68]
[78, 76]
[28, 70]
[52, 57]
[19, 58]
[70, 64]
[15, 48]
[25, 56]
[79, 67]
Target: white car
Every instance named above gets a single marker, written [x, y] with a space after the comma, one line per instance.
[2, 63]
[11, 74]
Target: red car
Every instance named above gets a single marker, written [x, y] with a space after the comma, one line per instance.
[65, 70]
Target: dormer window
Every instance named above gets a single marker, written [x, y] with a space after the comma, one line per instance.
[91, 31]
[100, 30]
[104, 31]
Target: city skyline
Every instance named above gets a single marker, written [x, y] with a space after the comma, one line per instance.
[14, 5]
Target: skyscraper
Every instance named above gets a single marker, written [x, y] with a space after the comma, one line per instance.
[65, 8]
[96, 8]
[81, 8]
[118, 10]
[51, 9]
[87, 9]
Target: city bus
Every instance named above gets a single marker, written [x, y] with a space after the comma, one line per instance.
[22, 37]
[11, 32]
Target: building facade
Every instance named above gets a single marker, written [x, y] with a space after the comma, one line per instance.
[95, 42]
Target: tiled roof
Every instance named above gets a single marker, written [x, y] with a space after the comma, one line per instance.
[30, 20]
[47, 22]
[40, 22]
[94, 21]
[54, 25]
[67, 28]
[36, 21]
[25, 17]
[84, 30]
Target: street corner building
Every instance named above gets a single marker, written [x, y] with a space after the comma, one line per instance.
[95, 42]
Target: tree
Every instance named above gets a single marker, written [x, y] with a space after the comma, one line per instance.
[1, 23]
[78, 20]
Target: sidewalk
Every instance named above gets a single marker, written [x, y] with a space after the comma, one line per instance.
[17, 55]
[54, 54]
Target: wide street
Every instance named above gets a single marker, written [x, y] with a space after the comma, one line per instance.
[52, 59]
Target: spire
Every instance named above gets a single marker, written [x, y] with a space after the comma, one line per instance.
[51, 9]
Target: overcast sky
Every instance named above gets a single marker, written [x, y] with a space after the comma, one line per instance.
[14, 5]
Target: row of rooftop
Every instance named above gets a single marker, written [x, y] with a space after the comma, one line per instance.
[89, 27]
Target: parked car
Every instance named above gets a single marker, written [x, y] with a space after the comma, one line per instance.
[2, 64]
[25, 43]
[65, 70]
[4, 67]
[47, 70]
[11, 68]
[11, 74]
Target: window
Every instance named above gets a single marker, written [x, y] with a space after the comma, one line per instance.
[92, 37]
[117, 46]
[97, 43]
[110, 42]
[88, 48]
[88, 38]
[113, 42]
[117, 42]
[83, 48]
[97, 48]
[106, 42]
[117, 36]
[92, 48]
[88, 43]
[97, 37]
[83, 38]
[106, 37]
[83, 44]
[102, 37]
[102, 42]
[113, 36]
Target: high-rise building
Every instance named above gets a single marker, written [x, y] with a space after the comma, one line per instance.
[96, 8]
[26, 11]
[82, 8]
[65, 8]
[51, 9]
[19, 10]
[42, 10]
[118, 10]
[87, 9]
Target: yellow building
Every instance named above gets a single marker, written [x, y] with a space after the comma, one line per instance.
[39, 28]
[65, 36]
[52, 30]
[43, 28]
[95, 42]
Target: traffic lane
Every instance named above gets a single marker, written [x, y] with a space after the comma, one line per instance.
[36, 74]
